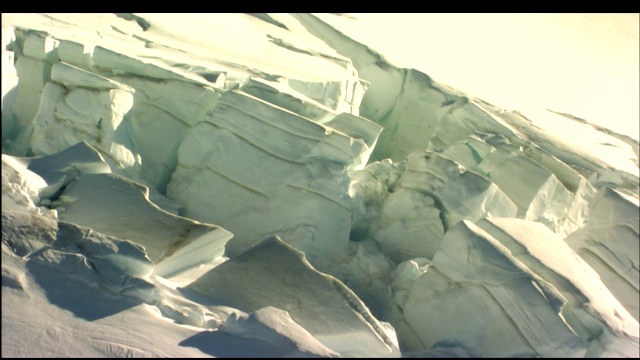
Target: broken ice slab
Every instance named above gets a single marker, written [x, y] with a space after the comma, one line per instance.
[522, 286]
[117, 262]
[273, 326]
[433, 194]
[276, 274]
[71, 76]
[547, 255]
[609, 243]
[87, 255]
[39, 46]
[59, 169]
[88, 108]
[476, 286]
[358, 128]
[117, 206]
[314, 223]
[463, 194]
[535, 190]
[343, 95]
[465, 117]
[276, 327]
[42, 178]
[33, 73]
[279, 94]
[410, 225]
[286, 134]
[475, 152]
[469, 151]
[162, 113]
[84, 105]
[76, 54]
[258, 162]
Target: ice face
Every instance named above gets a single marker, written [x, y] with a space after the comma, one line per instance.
[517, 258]
[278, 275]
[607, 243]
[276, 161]
[275, 185]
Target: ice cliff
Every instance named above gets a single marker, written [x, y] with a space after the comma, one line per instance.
[268, 177]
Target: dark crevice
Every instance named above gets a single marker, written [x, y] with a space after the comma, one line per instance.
[144, 24]
[266, 18]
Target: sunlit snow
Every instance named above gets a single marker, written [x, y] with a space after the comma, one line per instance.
[300, 185]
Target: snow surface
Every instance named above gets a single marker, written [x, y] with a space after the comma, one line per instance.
[270, 185]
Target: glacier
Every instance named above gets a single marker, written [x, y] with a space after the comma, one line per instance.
[270, 185]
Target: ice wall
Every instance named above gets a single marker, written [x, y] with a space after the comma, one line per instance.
[291, 170]
[550, 178]
[470, 229]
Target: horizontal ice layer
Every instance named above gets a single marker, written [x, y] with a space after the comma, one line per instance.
[116, 63]
[268, 171]
[283, 96]
[523, 299]
[171, 91]
[305, 99]
[275, 274]
[72, 76]
[609, 243]
[295, 138]
[119, 207]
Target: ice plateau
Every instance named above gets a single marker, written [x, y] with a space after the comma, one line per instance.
[266, 185]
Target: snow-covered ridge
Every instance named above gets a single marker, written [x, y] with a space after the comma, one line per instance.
[299, 196]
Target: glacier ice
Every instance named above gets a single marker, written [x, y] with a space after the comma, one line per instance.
[267, 324]
[267, 156]
[278, 275]
[516, 258]
[299, 196]
[124, 211]
[608, 243]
